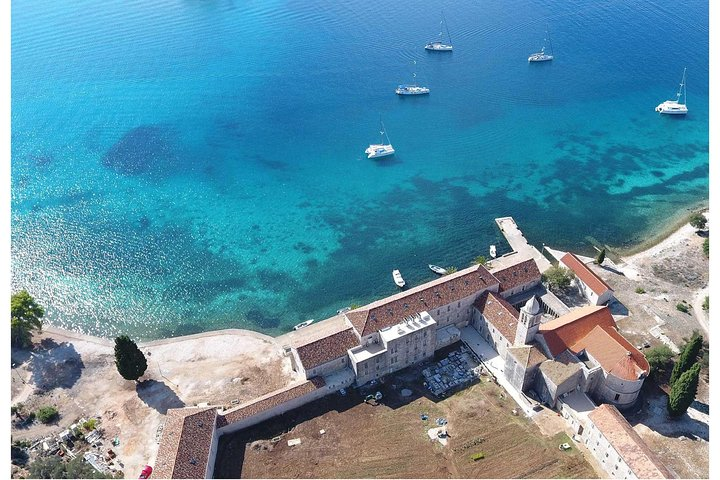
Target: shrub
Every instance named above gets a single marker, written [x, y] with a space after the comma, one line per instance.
[706, 304]
[682, 307]
[90, 424]
[698, 220]
[659, 359]
[706, 247]
[480, 260]
[600, 257]
[477, 456]
[47, 414]
[688, 357]
[450, 270]
[640, 290]
[558, 277]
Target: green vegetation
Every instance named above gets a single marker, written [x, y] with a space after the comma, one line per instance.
[683, 307]
[354, 306]
[477, 456]
[480, 260]
[706, 304]
[640, 290]
[698, 220]
[130, 361]
[688, 357]
[450, 270]
[48, 414]
[706, 247]
[90, 424]
[558, 277]
[55, 467]
[683, 391]
[600, 257]
[659, 358]
[25, 316]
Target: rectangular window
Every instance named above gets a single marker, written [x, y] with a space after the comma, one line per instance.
[617, 397]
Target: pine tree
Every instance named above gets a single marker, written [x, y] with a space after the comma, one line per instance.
[682, 393]
[25, 316]
[601, 257]
[130, 361]
[687, 358]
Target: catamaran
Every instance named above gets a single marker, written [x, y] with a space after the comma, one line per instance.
[541, 56]
[439, 45]
[412, 89]
[382, 149]
[674, 107]
[398, 279]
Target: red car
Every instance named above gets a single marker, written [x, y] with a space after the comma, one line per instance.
[146, 472]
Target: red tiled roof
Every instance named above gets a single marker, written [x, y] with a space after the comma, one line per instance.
[627, 443]
[614, 356]
[568, 329]
[499, 312]
[268, 401]
[428, 296]
[518, 274]
[327, 348]
[185, 444]
[583, 272]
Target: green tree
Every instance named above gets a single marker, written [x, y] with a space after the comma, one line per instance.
[557, 277]
[683, 391]
[47, 414]
[706, 304]
[55, 467]
[659, 359]
[698, 220]
[130, 361]
[600, 257]
[480, 260]
[688, 357]
[25, 316]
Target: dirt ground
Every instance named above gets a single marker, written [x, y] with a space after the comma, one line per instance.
[389, 440]
[77, 375]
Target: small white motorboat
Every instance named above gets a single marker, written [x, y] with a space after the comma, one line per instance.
[411, 90]
[303, 324]
[398, 278]
[493, 251]
[438, 270]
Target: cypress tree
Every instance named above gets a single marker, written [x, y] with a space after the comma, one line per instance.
[130, 361]
[687, 358]
[601, 257]
[682, 393]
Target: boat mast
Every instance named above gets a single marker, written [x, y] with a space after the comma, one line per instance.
[682, 86]
[446, 27]
[383, 132]
[547, 34]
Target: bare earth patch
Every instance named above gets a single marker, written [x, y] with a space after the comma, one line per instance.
[77, 374]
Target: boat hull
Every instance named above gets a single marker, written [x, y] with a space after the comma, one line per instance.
[441, 47]
[376, 151]
[539, 58]
[412, 90]
[671, 108]
[397, 278]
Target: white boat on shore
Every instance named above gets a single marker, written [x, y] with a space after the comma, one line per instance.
[436, 269]
[398, 278]
[674, 107]
[382, 149]
[303, 324]
[493, 251]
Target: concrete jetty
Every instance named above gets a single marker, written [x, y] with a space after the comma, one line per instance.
[522, 250]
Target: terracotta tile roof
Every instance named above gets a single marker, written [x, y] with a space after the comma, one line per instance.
[583, 272]
[426, 297]
[185, 444]
[518, 274]
[614, 356]
[558, 372]
[498, 312]
[568, 329]
[268, 401]
[627, 443]
[327, 348]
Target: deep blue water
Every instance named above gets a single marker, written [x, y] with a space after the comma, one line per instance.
[182, 166]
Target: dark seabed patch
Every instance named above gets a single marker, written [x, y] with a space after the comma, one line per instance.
[144, 149]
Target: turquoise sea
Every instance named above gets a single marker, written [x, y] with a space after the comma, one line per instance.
[184, 166]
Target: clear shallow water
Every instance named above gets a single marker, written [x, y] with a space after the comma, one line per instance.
[185, 166]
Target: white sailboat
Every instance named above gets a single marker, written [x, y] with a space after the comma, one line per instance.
[382, 149]
[397, 278]
[438, 45]
[413, 88]
[541, 56]
[675, 107]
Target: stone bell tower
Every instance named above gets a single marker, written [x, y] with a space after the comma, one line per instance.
[528, 323]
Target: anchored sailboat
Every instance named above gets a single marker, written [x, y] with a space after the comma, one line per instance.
[675, 107]
[382, 149]
[541, 56]
[412, 88]
[439, 45]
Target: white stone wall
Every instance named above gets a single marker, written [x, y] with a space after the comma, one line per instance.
[619, 392]
[491, 334]
[329, 367]
[605, 454]
[458, 313]
[520, 288]
[210, 467]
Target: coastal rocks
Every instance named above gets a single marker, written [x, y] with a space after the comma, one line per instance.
[143, 149]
